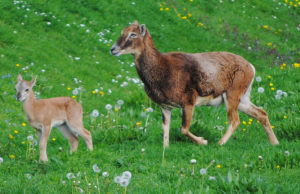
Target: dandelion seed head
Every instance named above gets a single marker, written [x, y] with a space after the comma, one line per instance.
[124, 182]
[108, 107]
[1, 160]
[203, 171]
[260, 90]
[117, 179]
[126, 175]
[105, 174]
[193, 161]
[96, 169]
[95, 113]
[258, 79]
[70, 175]
[287, 153]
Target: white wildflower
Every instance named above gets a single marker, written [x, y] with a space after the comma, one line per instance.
[143, 150]
[258, 79]
[220, 127]
[30, 138]
[120, 102]
[149, 109]
[287, 153]
[124, 182]
[126, 175]
[28, 176]
[108, 107]
[211, 178]
[95, 113]
[279, 92]
[70, 176]
[117, 179]
[277, 97]
[284, 94]
[203, 171]
[96, 169]
[193, 161]
[1, 160]
[105, 174]
[260, 157]
[260, 90]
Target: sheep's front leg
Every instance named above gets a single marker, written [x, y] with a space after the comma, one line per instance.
[166, 118]
[187, 114]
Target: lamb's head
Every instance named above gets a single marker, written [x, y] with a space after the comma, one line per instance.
[24, 87]
[131, 40]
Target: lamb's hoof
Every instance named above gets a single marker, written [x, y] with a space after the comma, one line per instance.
[204, 142]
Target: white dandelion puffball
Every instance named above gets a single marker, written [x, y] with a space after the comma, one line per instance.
[277, 97]
[203, 171]
[1, 160]
[30, 138]
[70, 175]
[279, 92]
[96, 169]
[143, 150]
[258, 79]
[120, 102]
[117, 179]
[95, 113]
[260, 157]
[124, 182]
[193, 161]
[219, 127]
[149, 109]
[77, 58]
[126, 175]
[43, 70]
[105, 174]
[211, 178]
[28, 176]
[60, 149]
[284, 94]
[108, 107]
[75, 92]
[260, 90]
[287, 153]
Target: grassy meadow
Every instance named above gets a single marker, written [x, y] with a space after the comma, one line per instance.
[66, 44]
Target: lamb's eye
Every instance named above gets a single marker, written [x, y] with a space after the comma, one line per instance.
[133, 35]
[26, 90]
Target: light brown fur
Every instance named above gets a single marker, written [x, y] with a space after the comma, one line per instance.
[185, 80]
[62, 112]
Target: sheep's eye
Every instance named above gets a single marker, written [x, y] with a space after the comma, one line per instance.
[26, 90]
[133, 35]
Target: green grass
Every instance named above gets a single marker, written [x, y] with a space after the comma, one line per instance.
[49, 50]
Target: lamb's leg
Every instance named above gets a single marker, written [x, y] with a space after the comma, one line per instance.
[69, 136]
[187, 113]
[43, 142]
[166, 118]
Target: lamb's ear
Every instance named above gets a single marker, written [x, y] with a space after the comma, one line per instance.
[19, 78]
[143, 30]
[135, 22]
[33, 81]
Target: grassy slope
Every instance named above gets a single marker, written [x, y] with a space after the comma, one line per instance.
[230, 26]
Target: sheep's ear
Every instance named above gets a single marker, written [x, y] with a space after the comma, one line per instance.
[33, 81]
[19, 78]
[135, 22]
[143, 29]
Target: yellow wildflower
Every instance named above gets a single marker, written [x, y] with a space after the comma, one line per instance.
[190, 15]
[18, 65]
[296, 65]
[218, 166]
[53, 139]
[266, 27]
[285, 117]
[184, 17]
[101, 93]
[24, 124]
[272, 127]
[116, 109]
[200, 24]
[244, 129]
[283, 64]
[138, 123]
[281, 67]
[269, 76]
[269, 44]
[191, 0]
[12, 156]
[167, 9]
[108, 45]
[249, 123]
[23, 142]
[272, 89]
[277, 166]
[271, 84]
[11, 136]
[16, 132]
[68, 88]
[250, 119]
[161, 9]
[226, 122]
[244, 123]
[179, 15]
[94, 92]
[73, 97]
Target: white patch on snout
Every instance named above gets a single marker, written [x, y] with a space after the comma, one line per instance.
[209, 101]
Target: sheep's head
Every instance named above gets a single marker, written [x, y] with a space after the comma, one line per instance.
[131, 40]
